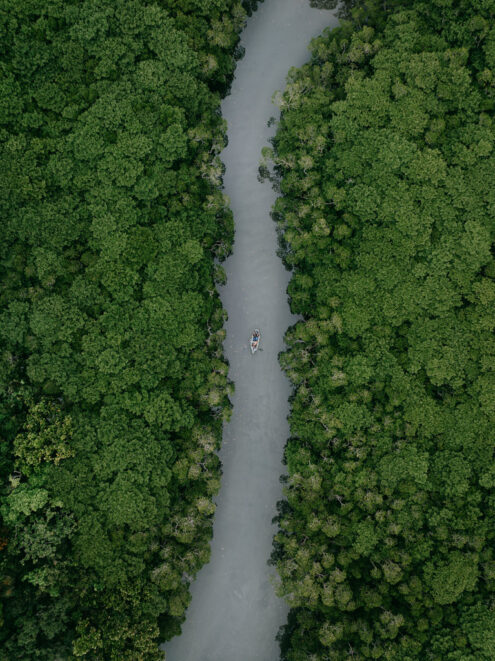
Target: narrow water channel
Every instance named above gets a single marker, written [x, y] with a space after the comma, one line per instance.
[234, 614]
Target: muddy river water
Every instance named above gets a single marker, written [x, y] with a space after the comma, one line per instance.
[234, 614]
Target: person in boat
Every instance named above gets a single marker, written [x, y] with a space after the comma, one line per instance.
[255, 336]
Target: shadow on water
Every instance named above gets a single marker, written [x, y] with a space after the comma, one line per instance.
[324, 4]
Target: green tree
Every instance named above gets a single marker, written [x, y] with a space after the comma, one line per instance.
[382, 157]
[113, 385]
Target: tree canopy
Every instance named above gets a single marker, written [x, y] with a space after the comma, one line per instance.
[384, 157]
[113, 385]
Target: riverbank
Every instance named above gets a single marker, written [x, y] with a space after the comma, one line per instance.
[234, 614]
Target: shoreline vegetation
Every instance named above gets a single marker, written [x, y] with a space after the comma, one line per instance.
[113, 384]
[384, 158]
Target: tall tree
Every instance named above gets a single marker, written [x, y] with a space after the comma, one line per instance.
[387, 218]
[113, 385]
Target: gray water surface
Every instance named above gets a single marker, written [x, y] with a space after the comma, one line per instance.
[234, 614]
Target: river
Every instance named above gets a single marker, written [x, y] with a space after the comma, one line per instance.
[234, 614]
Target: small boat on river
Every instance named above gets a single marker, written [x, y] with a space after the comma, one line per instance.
[255, 340]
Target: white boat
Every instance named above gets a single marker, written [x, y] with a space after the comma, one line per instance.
[254, 342]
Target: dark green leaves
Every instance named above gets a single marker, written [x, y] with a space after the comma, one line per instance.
[388, 223]
[113, 386]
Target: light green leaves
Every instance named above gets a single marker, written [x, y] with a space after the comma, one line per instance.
[23, 500]
[450, 579]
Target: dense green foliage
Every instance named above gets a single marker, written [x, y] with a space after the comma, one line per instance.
[250, 5]
[113, 386]
[361, 11]
[385, 153]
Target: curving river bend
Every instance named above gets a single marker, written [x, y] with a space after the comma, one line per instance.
[234, 614]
